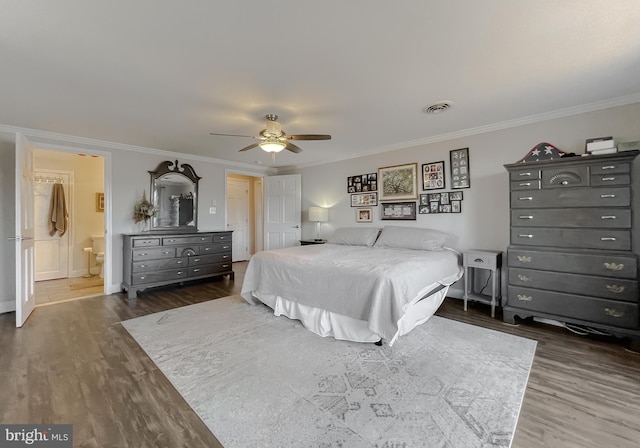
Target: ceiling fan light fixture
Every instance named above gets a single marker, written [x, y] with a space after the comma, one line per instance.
[272, 144]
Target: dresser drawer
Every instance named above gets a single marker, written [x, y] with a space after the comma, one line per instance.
[572, 217]
[610, 167]
[214, 248]
[564, 177]
[609, 312]
[525, 185]
[147, 242]
[158, 265]
[151, 277]
[528, 173]
[607, 288]
[575, 238]
[186, 240]
[222, 237]
[151, 254]
[209, 269]
[481, 260]
[610, 179]
[208, 259]
[572, 197]
[605, 265]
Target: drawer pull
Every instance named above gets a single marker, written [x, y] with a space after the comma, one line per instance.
[608, 167]
[526, 198]
[143, 255]
[195, 260]
[522, 235]
[608, 179]
[478, 260]
[524, 174]
[206, 249]
[179, 272]
[614, 266]
[143, 266]
[613, 312]
[166, 252]
[226, 247]
[171, 241]
[524, 184]
[607, 196]
[225, 265]
[524, 278]
[196, 270]
[608, 217]
[616, 289]
[180, 262]
[524, 259]
[523, 298]
[142, 278]
[223, 237]
[203, 239]
[225, 256]
[525, 217]
[607, 238]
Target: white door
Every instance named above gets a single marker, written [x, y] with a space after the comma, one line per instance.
[282, 211]
[238, 217]
[24, 230]
[51, 252]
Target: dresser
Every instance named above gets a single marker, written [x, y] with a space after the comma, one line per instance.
[571, 256]
[158, 259]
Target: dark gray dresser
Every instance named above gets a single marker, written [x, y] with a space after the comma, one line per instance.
[158, 259]
[571, 256]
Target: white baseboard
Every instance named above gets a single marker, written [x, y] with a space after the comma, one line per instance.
[7, 306]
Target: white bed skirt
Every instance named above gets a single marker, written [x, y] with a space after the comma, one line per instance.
[325, 323]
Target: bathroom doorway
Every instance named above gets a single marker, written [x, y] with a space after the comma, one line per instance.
[69, 254]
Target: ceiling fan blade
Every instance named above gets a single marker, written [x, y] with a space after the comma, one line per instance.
[231, 135]
[293, 148]
[251, 146]
[309, 137]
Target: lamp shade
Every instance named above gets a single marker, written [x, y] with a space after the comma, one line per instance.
[318, 214]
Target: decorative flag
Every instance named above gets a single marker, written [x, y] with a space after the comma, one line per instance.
[542, 151]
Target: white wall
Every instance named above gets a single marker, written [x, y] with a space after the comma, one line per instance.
[7, 223]
[484, 221]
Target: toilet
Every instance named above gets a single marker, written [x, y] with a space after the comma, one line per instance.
[98, 250]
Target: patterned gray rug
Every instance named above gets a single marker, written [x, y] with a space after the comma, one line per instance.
[257, 380]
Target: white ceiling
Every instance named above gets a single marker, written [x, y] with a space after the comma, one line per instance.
[163, 74]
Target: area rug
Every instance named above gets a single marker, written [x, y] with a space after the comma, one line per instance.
[257, 380]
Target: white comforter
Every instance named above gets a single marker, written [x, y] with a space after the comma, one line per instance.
[365, 283]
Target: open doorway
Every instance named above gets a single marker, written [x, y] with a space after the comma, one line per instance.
[69, 255]
[244, 214]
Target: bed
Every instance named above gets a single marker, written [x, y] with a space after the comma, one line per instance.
[362, 285]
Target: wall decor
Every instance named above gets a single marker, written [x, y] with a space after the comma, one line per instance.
[362, 199]
[364, 215]
[398, 182]
[433, 177]
[100, 202]
[460, 175]
[399, 211]
[362, 183]
[445, 202]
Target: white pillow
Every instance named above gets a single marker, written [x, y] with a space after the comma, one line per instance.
[411, 238]
[354, 236]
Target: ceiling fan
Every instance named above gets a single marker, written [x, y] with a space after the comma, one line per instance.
[273, 139]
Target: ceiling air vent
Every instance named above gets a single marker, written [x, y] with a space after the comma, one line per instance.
[438, 108]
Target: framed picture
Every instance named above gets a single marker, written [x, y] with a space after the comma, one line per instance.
[460, 175]
[399, 211]
[398, 182]
[364, 199]
[445, 202]
[362, 183]
[100, 202]
[433, 177]
[364, 215]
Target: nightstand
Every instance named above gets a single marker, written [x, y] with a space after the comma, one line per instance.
[309, 242]
[482, 259]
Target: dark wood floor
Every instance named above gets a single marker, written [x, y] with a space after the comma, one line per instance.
[74, 363]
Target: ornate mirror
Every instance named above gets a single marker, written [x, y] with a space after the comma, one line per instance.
[174, 193]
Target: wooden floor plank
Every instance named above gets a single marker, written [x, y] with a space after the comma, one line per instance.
[74, 363]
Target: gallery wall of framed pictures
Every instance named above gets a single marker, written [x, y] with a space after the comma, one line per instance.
[398, 195]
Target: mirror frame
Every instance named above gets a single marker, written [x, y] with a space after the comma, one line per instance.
[186, 170]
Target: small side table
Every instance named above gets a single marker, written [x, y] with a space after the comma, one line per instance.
[482, 259]
[309, 242]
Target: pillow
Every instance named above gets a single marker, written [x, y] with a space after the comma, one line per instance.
[354, 236]
[411, 238]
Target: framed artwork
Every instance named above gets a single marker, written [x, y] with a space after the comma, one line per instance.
[398, 211]
[398, 182]
[460, 175]
[364, 214]
[433, 177]
[362, 183]
[100, 202]
[364, 199]
[445, 202]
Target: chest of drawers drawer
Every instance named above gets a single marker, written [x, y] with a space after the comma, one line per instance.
[152, 254]
[152, 277]
[588, 285]
[159, 264]
[572, 217]
[609, 312]
[572, 197]
[209, 269]
[572, 238]
[215, 248]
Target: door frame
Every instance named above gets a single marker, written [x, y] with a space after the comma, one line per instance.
[253, 204]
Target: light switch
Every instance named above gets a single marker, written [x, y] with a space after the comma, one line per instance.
[212, 210]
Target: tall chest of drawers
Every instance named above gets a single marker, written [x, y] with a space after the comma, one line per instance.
[158, 259]
[571, 256]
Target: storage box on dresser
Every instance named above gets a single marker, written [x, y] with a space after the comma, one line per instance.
[158, 259]
[571, 256]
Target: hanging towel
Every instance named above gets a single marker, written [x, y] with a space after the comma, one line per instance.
[58, 217]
